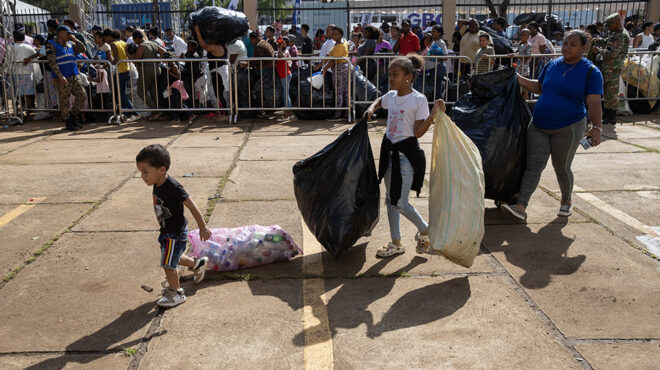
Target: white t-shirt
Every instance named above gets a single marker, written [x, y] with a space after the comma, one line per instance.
[180, 46]
[402, 112]
[237, 47]
[20, 52]
[538, 42]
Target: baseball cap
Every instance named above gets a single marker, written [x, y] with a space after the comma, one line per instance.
[406, 21]
[64, 28]
[19, 27]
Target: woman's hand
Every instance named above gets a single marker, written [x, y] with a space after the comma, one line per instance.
[595, 135]
[437, 106]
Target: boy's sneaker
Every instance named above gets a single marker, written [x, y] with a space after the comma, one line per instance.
[565, 210]
[423, 243]
[200, 269]
[171, 298]
[514, 211]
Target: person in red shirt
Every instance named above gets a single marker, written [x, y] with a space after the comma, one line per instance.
[409, 42]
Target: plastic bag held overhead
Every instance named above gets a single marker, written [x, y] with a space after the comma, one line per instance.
[495, 116]
[456, 195]
[218, 25]
[337, 190]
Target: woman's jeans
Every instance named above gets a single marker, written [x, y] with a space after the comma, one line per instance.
[285, 89]
[126, 103]
[560, 144]
[403, 207]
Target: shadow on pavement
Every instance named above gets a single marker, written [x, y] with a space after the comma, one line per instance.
[540, 254]
[121, 328]
[349, 306]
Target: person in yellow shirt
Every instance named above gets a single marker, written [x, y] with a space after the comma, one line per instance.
[339, 68]
[118, 47]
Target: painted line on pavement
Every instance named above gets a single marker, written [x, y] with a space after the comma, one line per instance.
[318, 338]
[651, 237]
[9, 216]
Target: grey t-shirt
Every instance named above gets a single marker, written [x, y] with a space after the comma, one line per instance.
[369, 44]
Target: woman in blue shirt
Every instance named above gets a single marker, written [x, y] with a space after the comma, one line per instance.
[559, 120]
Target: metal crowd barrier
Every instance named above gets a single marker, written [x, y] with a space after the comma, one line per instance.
[42, 83]
[446, 85]
[529, 66]
[267, 66]
[170, 85]
[641, 71]
[641, 78]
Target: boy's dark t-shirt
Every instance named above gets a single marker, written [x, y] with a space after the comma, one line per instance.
[168, 205]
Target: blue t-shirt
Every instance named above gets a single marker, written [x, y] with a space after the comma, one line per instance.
[563, 100]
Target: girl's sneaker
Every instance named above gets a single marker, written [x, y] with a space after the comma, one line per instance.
[565, 210]
[171, 298]
[423, 243]
[515, 211]
[389, 251]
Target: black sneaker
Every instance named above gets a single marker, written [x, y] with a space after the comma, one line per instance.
[70, 125]
[200, 269]
[514, 211]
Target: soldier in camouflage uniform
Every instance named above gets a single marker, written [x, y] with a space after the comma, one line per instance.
[60, 53]
[614, 50]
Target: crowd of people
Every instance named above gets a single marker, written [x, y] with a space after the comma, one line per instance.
[144, 88]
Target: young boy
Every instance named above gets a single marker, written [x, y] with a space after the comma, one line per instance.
[169, 198]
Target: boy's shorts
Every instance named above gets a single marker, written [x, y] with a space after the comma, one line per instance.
[172, 247]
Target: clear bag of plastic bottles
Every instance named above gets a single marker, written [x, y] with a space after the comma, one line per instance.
[243, 247]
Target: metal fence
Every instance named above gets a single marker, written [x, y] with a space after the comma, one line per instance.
[266, 78]
[32, 89]
[640, 76]
[179, 86]
[253, 85]
[441, 77]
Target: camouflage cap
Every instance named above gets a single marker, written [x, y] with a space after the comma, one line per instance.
[612, 18]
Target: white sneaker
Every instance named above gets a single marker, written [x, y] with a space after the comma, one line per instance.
[565, 210]
[391, 250]
[200, 269]
[171, 298]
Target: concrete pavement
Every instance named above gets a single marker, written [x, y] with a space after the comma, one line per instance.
[81, 276]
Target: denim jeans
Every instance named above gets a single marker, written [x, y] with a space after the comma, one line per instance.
[403, 207]
[285, 89]
[125, 101]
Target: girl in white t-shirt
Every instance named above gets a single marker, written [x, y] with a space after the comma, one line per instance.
[402, 161]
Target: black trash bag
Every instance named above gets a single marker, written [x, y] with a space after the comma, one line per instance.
[495, 116]
[246, 78]
[318, 95]
[501, 44]
[337, 190]
[431, 84]
[463, 88]
[270, 83]
[638, 106]
[218, 25]
[364, 91]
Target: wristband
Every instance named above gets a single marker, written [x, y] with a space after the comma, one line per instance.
[598, 127]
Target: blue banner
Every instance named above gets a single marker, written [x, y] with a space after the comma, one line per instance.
[137, 15]
[296, 6]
